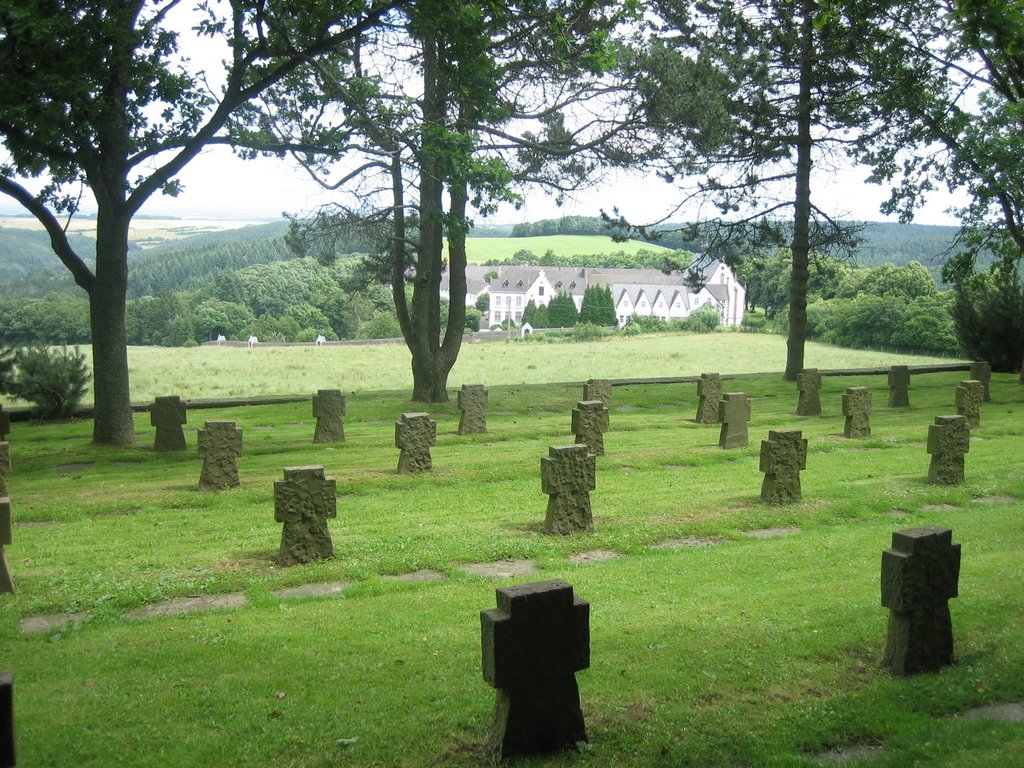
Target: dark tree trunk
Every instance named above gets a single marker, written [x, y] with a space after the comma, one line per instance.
[112, 422]
[802, 203]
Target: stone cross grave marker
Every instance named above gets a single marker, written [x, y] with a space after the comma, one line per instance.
[167, 414]
[329, 408]
[303, 501]
[919, 576]
[5, 467]
[982, 371]
[734, 413]
[949, 439]
[589, 423]
[532, 645]
[472, 409]
[808, 384]
[783, 455]
[598, 389]
[415, 434]
[709, 392]
[857, 410]
[5, 423]
[969, 396]
[568, 474]
[220, 443]
[899, 386]
[7, 752]
[6, 537]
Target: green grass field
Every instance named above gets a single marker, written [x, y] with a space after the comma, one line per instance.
[207, 372]
[481, 249]
[747, 652]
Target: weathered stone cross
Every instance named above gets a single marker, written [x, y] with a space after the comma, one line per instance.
[919, 576]
[167, 414]
[472, 409]
[969, 396]
[899, 386]
[6, 537]
[808, 383]
[598, 389]
[709, 392]
[303, 501]
[589, 423]
[949, 439]
[415, 434]
[982, 371]
[568, 474]
[220, 443]
[857, 410]
[329, 408]
[533, 644]
[734, 413]
[783, 455]
[5, 423]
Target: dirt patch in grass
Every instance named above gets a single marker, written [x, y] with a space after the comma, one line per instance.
[690, 541]
[70, 469]
[179, 605]
[771, 533]
[44, 622]
[995, 499]
[313, 590]
[509, 568]
[35, 523]
[416, 576]
[939, 507]
[1009, 712]
[593, 556]
[850, 754]
[674, 467]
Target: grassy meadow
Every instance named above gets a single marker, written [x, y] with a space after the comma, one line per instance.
[743, 652]
[481, 249]
[210, 372]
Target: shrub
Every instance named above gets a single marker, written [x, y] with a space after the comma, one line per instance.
[53, 379]
[588, 332]
[703, 320]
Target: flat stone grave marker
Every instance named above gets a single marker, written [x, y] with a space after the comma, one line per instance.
[589, 423]
[7, 751]
[415, 434]
[899, 386]
[179, 605]
[919, 576]
[532, 645]
[598, 389]
[168, 414]
[6, 537]
[949, 440]
[509, 568]
[220, 444]
[857, 410]
[783, 455]
[969, 396]
[808, 384]
[303, 501]
[734, 413]
[709, 392]
[472, 409]
[5, 467]
[329, 410]
[568, 474]
[982, 371]
[5, 423]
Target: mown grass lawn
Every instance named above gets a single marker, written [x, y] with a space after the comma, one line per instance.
[748, 652]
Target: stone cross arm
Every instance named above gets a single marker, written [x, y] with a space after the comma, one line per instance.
[538, 630]
[921, 567]
[304, 489]
[568, 467]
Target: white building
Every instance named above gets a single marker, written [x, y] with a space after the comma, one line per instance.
[645, 292]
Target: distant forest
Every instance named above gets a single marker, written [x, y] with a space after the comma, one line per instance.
[29, 268]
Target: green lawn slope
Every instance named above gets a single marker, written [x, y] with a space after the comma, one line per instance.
[481, 249]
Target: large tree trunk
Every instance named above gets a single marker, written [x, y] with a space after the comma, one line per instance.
[113, 408]
[802, 203]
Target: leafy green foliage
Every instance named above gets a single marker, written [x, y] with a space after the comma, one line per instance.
[53, 379]
[598, 306]
[562, 312]
[989, 312]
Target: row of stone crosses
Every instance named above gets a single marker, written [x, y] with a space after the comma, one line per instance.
[537, 638]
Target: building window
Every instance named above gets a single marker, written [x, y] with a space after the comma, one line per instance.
[540, 290]
[519, 301]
